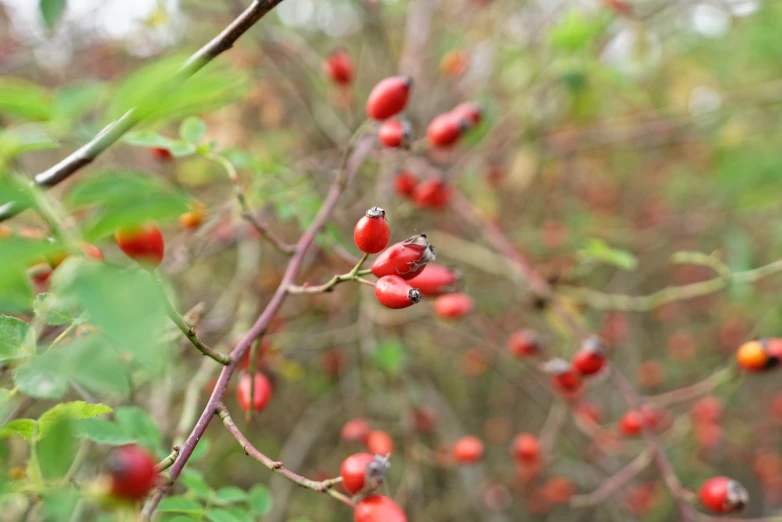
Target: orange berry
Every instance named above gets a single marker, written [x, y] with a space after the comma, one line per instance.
[752, 356]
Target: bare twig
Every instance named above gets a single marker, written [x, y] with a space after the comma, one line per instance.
[324, 486]
[168, 461]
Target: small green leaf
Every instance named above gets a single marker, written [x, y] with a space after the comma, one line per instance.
[192, 130]
[51, 11]
[102, 431]
[259, 499]
[196, 485]
[24, 99]
[51, 309]
[21, 427]
[389, 355]
[16, 338]
[58, 449]
[597, 251]
[69, 410]
[230, 495]
[222, 515]
[180, 505]
[59, 504]
[40, 382]
[139, 424]
[180, 149]
[22, 139]
[147, 138]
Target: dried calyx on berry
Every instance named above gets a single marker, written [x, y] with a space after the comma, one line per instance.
[737, 497]
[376, 212]
[376, 472]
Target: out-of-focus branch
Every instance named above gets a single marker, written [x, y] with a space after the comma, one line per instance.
[116, 129]
[324, 486]
[355, 153]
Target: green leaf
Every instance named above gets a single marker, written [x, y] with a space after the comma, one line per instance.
[14, 190]
[139, 424]
[597, 251]
[201, 449]
[389, 355]
[230, 495]
[259, 499]
[102, 431]
[21, 427]
[16, 338]
[196, 485]
[58, 449]
[574, 31]
[181, 519]
[93, 363]
[51, 11]
[147, 138]
[73, 101]
[126, 305]
[59, 504]
[51, 309]
[16, 291]
[180, 505]
[24, 99]
[159, 92]
[115, 188]
[40, 382]
[180, 149]
[22, 139]
[69, 410]
[192, 130]
[222, 515]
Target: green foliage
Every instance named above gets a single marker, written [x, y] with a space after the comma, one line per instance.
[22, 139]
[24, 100]
[597, 251]
[259, 500]
[52, 310]
[16, 338]
[389, 355]
[51, 11]
[180, 505]
[192, 130]
[158, 91]
[574, 31]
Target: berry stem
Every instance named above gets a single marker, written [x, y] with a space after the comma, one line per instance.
[324, 486]
[353, 275]
[168, 461]
[247, 214]
[190, 331]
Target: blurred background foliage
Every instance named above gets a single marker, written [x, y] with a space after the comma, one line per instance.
[612, 139]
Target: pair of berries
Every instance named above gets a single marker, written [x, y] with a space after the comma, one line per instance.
[132, 472]
[760, 355]
[566, 376]
[359, 431]
[363, 472]
[432, 193]
[467, 450]
[446, 129]
[260, 396]
[396, 265]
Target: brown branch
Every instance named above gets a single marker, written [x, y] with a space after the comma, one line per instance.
[615, 482]
[116, 129]
[324, 486]
[354, 156]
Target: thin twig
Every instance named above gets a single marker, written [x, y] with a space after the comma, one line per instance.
[355, 153]
[334, 281]
[168, 461]
[324, 486]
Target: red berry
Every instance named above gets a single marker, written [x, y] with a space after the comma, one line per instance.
[433, 193]
[453, 306]
[372, 233]
[723, 495]
[405, 183]
[524, 343]
[380, 443]
[356, 430]
[557, 490]
[563, 377]
[591, 358]
[445, 130]
[707, 410]
[263, 392]
[631, 423]
[353, 471]
[143, 243]
[468, 111]
[405, 259]
[467, 450]
[436, 280]
[526, 448]
[377, 508]
[244, 362]
[161, 154]
[132, 471]
[389, 97]
[339, 67]
[394, 133]
[395, 293]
